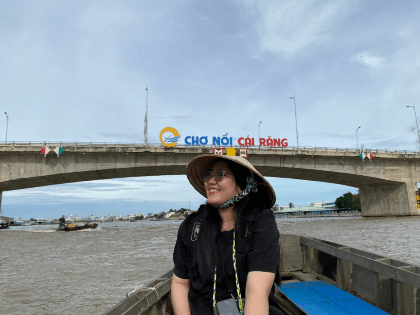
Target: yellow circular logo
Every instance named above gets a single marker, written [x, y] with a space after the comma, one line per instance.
[171, 140]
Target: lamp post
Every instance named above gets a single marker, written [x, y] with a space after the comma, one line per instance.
[297, 136]
[415, 114]
[357, 139]
[7, 125]
[259, 134]
[145, 117]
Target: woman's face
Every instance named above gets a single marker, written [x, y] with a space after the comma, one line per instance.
[220, 192]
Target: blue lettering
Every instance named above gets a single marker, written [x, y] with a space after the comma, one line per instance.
[216, 141]
[204, 140]
[195, 141]
[225, 141]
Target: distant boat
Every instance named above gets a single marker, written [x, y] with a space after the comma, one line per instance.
[4, 225]
[75, 227]
[16, 223]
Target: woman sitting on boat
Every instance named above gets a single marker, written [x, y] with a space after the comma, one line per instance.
[227, 251]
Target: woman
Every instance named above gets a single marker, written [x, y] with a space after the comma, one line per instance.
[230, 246]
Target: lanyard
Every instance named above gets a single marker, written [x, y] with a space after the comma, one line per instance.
[238, 290]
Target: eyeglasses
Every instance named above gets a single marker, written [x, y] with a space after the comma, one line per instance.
[218, 175]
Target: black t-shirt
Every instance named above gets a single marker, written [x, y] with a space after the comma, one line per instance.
[263, 255]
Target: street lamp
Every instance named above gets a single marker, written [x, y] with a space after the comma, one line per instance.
[7, 125]
[297, 137]
[418, 135]
[357, 138]
[259, 134]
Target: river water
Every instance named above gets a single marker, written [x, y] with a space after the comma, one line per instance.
[88, 271]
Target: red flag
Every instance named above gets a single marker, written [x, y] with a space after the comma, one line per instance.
[45, 150]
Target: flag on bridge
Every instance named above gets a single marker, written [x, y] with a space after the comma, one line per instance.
[218, 151]
[45, 150]
[230, 151]
[58, 150]
[362, 155]
[370, 156]
[243, 153]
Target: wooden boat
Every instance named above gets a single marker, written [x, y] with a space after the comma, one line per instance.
[75, 227]
[4, 225]
[318, 277]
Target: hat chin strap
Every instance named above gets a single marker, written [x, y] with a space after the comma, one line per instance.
[251, 186]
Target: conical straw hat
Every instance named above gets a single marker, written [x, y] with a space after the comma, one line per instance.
[198, 165]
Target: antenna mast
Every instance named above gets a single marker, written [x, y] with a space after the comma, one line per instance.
[145, 118]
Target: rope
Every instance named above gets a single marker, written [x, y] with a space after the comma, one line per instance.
[240, 304]
[150, 288]
[238, 289]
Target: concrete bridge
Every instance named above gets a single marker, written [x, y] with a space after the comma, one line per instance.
[387, 184]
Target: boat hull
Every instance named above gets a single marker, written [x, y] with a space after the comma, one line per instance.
[75, 227]
[386, 284]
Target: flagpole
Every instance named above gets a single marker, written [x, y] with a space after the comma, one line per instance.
[145, 118]
[357, 139]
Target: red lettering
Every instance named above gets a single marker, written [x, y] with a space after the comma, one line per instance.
[284, 142]
[276, 142]
[262, 142]
[240, 141]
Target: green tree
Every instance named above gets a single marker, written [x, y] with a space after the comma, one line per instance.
[348, 201]
[291, 205]
[160, 215]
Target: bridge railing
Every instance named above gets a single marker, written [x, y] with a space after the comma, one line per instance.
[308, 150]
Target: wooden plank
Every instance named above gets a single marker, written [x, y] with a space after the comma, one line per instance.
[290, 244]
[403, 276]
[304, 276]
[150, 299]
[127, 303]
[287, 305]
[143, 296]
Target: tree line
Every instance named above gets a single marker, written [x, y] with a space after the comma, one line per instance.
[348, 201]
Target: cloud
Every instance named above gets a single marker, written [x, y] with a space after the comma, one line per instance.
[368, 59]
[153, 188]
[294, 26]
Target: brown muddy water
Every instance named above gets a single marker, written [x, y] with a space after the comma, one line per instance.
[88, 271]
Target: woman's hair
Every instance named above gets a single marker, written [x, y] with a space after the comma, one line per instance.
[207, 253]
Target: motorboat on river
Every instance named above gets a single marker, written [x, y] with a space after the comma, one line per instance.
[4, 225]
[318, 277]
[76, 227]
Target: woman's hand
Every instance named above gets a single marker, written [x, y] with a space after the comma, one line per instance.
[258, 286]
[179, 292]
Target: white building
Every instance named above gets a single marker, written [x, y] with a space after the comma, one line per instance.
[169, 214]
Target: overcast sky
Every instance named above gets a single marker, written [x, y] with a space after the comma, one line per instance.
[77, 71]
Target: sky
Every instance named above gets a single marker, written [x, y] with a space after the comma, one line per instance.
[76, 71]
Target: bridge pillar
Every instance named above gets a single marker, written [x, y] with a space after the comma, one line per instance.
[397, 199]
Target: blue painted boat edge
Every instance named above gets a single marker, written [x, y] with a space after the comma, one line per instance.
[318, 297]
[311, 301]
